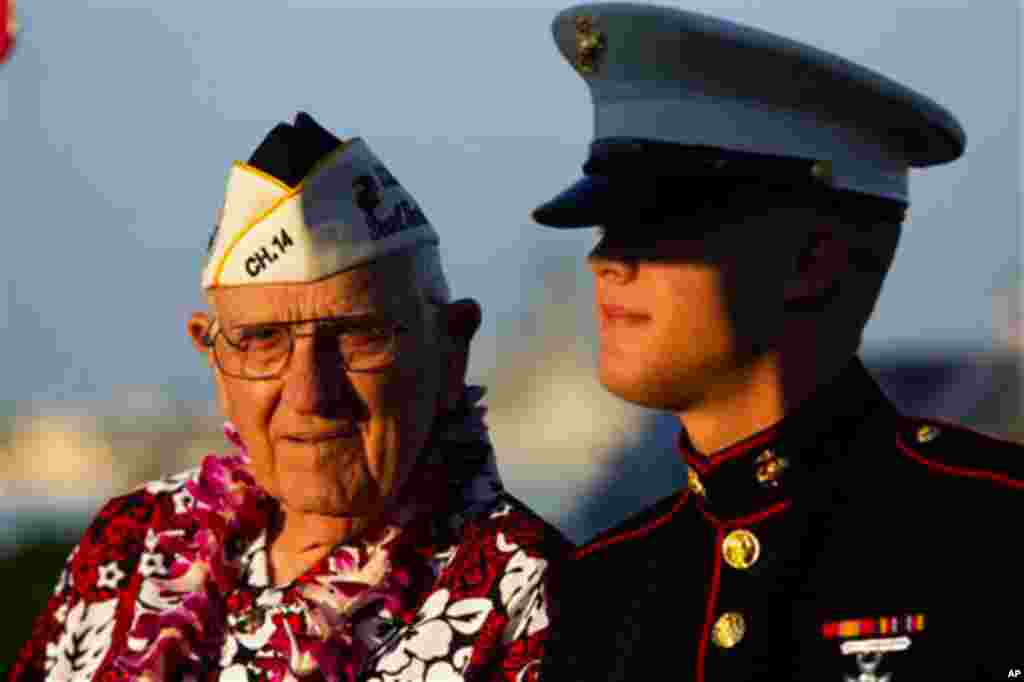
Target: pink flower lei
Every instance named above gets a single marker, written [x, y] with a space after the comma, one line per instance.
[229, 512]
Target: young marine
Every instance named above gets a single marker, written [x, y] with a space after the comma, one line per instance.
[750, 192]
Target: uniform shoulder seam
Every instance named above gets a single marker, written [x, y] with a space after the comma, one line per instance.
[634, 534]
[952, 426]
[958, 471]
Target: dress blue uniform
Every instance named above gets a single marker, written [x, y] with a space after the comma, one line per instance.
[847, 542]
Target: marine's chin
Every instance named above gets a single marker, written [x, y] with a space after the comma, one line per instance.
[622, 383]
[638, 389]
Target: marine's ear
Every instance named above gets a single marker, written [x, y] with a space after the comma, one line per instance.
[819, 263]
[459, 322]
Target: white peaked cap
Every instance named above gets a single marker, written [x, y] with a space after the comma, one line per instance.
[728, 101]
[348, 211]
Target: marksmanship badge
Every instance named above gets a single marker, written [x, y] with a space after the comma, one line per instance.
[590, 44]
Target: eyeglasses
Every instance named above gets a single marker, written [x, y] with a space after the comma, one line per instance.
[262, 351]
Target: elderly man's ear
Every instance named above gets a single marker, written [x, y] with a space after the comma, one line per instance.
[198, 325]
[459, 322]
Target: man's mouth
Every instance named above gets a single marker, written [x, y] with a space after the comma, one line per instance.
[611, 314]
[313, 437]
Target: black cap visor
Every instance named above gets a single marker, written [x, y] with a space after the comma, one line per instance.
[638, 200]
[584, 204]
[632, 181]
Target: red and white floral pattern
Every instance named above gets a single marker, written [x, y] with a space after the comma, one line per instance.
[84, 640]
[171, 582]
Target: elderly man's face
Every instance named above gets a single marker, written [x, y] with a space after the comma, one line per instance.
[326, 441]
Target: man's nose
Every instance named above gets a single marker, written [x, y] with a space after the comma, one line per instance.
[315, 381]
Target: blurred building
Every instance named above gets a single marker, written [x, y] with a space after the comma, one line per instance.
[59, 464]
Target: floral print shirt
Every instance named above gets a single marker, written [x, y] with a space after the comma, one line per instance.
[171, 582]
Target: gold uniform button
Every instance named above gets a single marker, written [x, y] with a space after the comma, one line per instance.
[729, 630]
[927, 434]
[741, 549]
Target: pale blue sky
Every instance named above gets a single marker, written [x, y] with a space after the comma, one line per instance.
[118, 124]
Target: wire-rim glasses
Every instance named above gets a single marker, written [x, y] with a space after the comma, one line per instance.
[263, 351]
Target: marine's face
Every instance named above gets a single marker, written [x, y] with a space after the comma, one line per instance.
[322, 440]
[678, 320]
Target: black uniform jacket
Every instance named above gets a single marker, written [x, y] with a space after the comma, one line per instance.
[845, 543]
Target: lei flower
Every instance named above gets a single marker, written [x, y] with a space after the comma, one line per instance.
[201, 610]
[228, 511]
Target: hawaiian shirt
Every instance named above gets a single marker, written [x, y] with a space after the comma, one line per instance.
[452, 591]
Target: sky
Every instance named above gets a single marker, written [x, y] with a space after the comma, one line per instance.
[118, 124]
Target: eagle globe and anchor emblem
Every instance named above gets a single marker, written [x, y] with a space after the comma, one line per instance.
[591, 44]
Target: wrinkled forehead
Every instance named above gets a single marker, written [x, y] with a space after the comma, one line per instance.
[382, 289]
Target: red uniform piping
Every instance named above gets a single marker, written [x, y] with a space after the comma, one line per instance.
[635, 533]
[709, 611]
[716, 571]
[961, 472]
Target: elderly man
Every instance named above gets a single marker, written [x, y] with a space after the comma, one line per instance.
[750, 192]
[360, 530]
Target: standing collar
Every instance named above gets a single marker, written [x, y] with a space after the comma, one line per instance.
[772, 465]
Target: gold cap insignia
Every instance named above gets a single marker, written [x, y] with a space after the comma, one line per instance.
[590, 44]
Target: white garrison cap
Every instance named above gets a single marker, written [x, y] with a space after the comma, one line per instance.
[306, 206]
[684, 95]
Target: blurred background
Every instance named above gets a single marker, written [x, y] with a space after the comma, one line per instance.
[117, 127]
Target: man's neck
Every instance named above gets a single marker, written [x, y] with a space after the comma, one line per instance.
[757, 397]
[303, 539]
